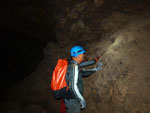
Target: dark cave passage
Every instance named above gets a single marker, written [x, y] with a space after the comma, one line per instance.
[20, 55]
[26, 28]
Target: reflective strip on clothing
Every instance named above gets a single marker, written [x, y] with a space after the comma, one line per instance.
[94, 69]
[75, 81]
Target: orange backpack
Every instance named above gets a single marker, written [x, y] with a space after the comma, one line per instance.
[58, 83]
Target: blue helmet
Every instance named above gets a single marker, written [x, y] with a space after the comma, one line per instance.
[76, 50]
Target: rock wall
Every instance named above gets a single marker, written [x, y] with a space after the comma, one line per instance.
[123, 84]
[119, 33]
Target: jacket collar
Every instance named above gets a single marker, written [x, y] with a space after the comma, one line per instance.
[72, 61]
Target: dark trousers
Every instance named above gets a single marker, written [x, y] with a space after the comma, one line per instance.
[73, 106]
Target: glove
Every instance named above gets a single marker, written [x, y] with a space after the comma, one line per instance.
[83, 104]
[99, 66]
[96, 59]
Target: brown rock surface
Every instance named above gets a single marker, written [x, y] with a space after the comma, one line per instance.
[120, 37]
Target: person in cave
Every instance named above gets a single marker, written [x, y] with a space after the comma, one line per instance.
[74, 99]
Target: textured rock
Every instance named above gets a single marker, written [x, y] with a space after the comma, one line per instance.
[120, 37]
[121, 85]
[28, 109]
[99, 2]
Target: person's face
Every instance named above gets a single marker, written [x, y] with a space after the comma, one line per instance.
[81, 58]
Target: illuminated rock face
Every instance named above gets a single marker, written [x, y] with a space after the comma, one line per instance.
[123, 84]
[120, 35]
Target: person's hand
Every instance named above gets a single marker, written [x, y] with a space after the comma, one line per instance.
[96, 59]
[83, 104]
[99, 66]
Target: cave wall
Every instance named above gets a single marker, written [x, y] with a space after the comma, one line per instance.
[119, 33]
